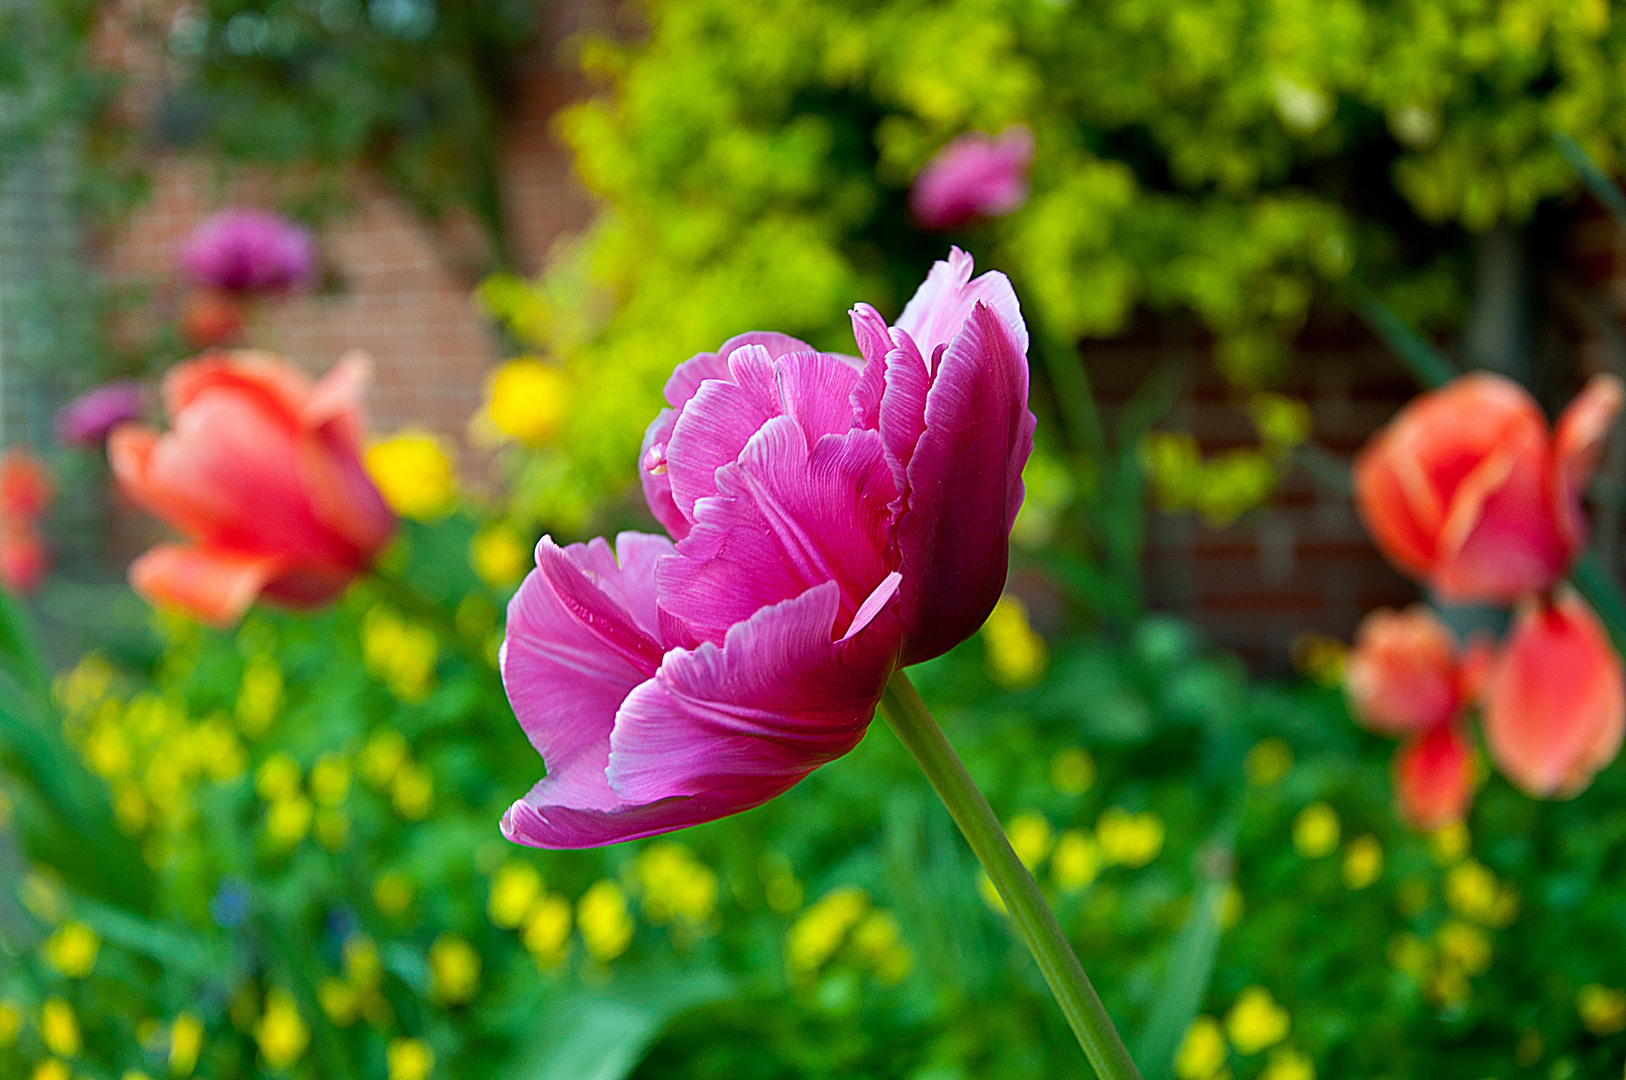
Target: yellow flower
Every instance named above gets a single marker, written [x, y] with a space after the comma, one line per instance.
[413, 791]
[1408, 954]
[332, 827]
[330, 779]
[362, 964]
[400, 653]
[11, 1022]
[340, 1002]
[1464, 947]
[546, 933]
[393, 893]
[59, 1028]
[72, 949]
[282, 1033]
[1319, 658]
[1474, 893]
[386, 749]
[1072, 771]
[1029, 835]
[185, 1042]
[259, 695]
[134, 1074]
[513, 890]
[1288, 1064]
[820, 930]
[1075, 861]
[675, 884]
[1316, 831]
[601, 915]
[413, 471]
[454, 967]
[1256, 1021]
[1450, 843]
[1602, 1009]
[288, 820]
[499, 556]
[1016, 654]
[79, 690]
[51, 1069]
[1202, 1051]
[409, 1059]
[277, 777]
[879, 944]
[527, 399]
[1363, 862]
[1129, 839]
[1268, 761]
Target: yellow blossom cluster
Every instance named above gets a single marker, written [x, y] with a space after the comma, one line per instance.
[148, 750]
[1254, 1024]
[356, 994]
[604, 921]
[282, 1033]
[1363, 862]
[1072, 770]
[259, 695]
[519, 900]
[387, 764]
[1127, 839]
[1602, 1009]
[1268, 761]
[844, 918]
[454, 969]
[499, 556]
[72, 949]
[526, 400]
[414, 471]
[1317, 831]
[1016, 655]
[674, 885]
[399, 653]
[409, 1059]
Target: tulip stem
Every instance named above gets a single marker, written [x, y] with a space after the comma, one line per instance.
[1035, 923]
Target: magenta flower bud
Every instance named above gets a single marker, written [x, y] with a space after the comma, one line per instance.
[834, 518]
[86, 420]
[247, 250]
[975, 176]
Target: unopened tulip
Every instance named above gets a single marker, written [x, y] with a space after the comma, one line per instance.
[1555, 704]
[1434, 777]
[1466, 490]
[24, 560]
[25, 485]
[975, 176]
[831, 522]
[88, 418]
[211, 319]
[1402, 673]
[262, 473]
[247, 250]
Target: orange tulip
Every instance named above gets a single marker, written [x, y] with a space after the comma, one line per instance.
[262, 473]
[1555, 705]
[1465, 489]
[1403, 674]
[1434, 778]
[25, 485]
[24, 561]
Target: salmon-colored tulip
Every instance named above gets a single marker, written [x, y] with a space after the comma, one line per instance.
[1434, 777]
[25, 485]
[262, 473]
[1555, 705]
[1403, 674]
[1466, 490]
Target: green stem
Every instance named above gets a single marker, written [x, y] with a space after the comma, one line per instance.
[1035, 923]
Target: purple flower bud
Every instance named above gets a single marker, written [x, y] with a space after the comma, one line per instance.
[247, 250]
[86, 420]
[975, 176]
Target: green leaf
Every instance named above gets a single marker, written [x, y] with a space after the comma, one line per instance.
[1428, 365]
[603, 1035]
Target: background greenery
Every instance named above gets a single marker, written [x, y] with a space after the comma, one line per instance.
[273, 852]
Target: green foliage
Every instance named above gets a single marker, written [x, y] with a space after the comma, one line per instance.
[1229, 160]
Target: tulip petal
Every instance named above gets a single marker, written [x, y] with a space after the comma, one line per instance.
[965, 487]
[943, 303]
[335, 403]
[787, 516]
[564, 681]
[213, 585]
[1401, 673]
[1434, 778]
[281, 386]
[1555, 705]
[1577, 442]
[580, 588]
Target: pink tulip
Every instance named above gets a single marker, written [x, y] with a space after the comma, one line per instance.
[975, 176]
[832, 522]
[1465, 490]
[1555, 705]
[248, 250]
[1434, 778]
[1402, 674]
[262, 473]
[88, 418]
